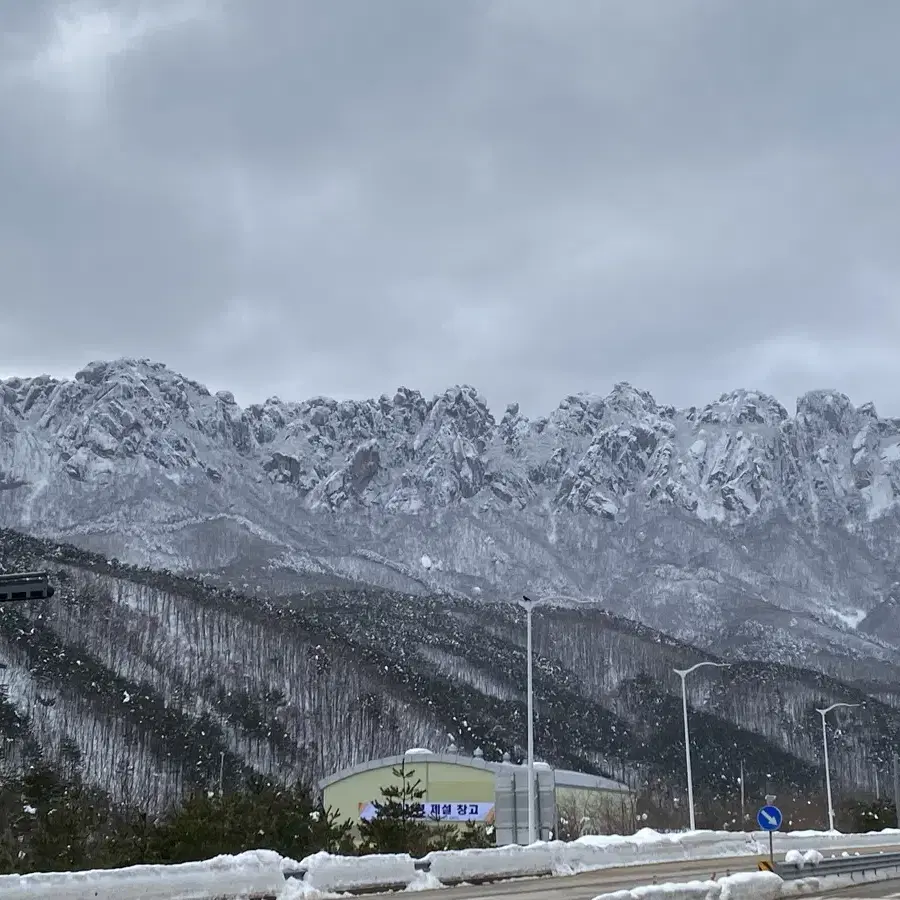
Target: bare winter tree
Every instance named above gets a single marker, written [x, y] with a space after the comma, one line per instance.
[582, 812]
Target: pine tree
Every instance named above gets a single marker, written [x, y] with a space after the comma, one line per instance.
[475, 834]
[398, 825]
[263, 815]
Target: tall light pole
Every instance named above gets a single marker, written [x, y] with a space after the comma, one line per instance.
[528, 605]
[683, 673]
[823, 713]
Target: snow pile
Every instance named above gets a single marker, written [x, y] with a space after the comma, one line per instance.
[325, 872]
[257, 872]
[424, 881]
[828, 840]
[800, 859]
[647, 845]
[743, 886]
[455, 866]
[300, 890]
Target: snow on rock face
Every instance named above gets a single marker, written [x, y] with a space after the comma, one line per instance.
[129, 416]
[730, 471]
[739, 457]
[620, 461]
[148, 460]
[733, 459]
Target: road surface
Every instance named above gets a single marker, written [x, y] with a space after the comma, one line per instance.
[588, 885]
[884, 890]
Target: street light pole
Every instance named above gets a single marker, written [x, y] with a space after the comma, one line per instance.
[683, 673]
[528, 605]
[823, 713]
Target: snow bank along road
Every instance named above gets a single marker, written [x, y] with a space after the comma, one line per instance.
[767, 886]
[597, 854]
[603, 864]
[587, 885]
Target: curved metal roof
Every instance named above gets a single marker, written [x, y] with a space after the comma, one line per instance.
[454, 759]
[562, 777]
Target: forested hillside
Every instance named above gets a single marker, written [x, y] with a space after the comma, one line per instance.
[153, 685]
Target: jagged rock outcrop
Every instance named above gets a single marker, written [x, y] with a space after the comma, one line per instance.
[796, 511]
[739, 457]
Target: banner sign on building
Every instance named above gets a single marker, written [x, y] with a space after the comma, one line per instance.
[444, 812]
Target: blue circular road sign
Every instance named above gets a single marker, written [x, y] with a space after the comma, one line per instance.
[769, 818]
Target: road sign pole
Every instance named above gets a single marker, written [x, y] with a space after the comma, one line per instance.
[769, 818]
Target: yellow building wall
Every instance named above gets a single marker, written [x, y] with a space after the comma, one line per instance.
[442, 783]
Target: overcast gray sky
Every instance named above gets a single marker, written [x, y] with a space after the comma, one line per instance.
[537, 197]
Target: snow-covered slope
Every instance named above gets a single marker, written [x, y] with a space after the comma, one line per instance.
[153, 685]
[734, 522]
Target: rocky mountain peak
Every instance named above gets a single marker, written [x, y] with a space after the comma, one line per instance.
[823, 412]
[630, 403]
[743, 408]
[685, 518]
[736, 458]
[131, 452]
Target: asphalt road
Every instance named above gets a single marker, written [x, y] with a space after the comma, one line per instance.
[884, 890]
[588, 885]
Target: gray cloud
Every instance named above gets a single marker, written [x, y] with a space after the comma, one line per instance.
[538, 198]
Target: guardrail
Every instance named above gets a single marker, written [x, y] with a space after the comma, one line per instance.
[840, 865]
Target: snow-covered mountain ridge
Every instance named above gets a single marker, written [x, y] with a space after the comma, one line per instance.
[703, 522]
[737, 458]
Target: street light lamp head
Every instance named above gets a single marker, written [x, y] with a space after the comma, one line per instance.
[552, 599]
[828, 709]
[700, 665]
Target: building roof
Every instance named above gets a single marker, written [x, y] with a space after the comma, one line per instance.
[568, 779]
[563, 777]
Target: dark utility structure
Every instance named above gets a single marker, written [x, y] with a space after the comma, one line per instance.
[25, 586]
